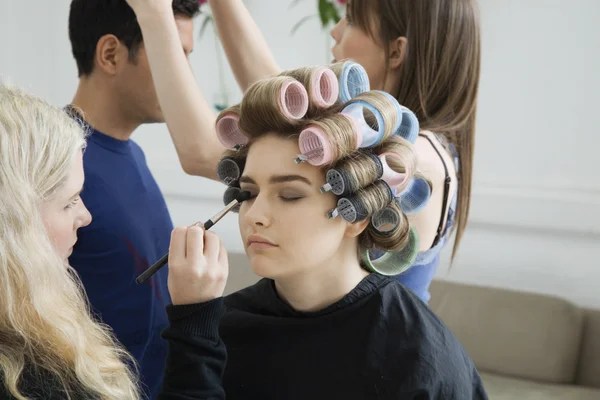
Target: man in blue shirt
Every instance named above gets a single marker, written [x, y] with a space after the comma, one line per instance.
[131, 226]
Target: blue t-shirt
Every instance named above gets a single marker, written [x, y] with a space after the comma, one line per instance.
[130, 230]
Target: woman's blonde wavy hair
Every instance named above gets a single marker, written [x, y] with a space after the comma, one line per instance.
[260, 113]
[45, 321]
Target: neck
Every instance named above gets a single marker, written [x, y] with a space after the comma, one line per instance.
[322, 286]
[102, 109]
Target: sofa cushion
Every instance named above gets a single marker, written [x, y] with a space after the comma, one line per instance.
[525, 335]
[504, 388]
[588, 373]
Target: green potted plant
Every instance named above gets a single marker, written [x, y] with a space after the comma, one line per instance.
[328, 11]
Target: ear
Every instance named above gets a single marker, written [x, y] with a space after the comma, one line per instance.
[356, 228]
[398, 49]
[110, 53]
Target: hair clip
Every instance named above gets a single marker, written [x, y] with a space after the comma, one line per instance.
[353, 208]
[341, 180]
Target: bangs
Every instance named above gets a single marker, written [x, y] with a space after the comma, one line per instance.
[364, 14]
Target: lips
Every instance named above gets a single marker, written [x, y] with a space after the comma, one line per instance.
[259, 241]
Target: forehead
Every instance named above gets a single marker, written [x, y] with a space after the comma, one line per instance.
[75, 178]
[272, 155]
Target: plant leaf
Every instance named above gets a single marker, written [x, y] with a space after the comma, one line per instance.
[324, 12]
[205, 23]
[294, 3]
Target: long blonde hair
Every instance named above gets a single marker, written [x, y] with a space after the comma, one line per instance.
[45, 321]
[439, 78]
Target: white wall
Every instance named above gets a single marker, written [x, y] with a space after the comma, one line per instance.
[535, 222]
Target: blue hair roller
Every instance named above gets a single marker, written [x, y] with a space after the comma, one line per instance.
[407, 123]
[409, 128]
[398, 109]
[353, 81]
[415, 196]
[370, 136]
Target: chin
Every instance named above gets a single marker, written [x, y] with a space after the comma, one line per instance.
[265, 267]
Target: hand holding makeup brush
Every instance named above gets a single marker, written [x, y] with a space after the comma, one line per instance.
[198, 265]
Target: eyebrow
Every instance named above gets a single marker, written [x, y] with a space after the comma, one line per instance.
[278, 179]
[76, 194]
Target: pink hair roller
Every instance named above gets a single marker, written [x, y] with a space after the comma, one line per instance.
[396, 180]
[324, 87]
[293, 99]
[314, 146]
[228, 131]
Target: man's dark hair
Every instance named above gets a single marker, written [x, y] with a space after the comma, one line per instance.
[89, 20]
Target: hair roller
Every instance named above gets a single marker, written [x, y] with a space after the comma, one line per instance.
[386, 221]
[228, 130]
[353, 79]
[230, 169]
[363, 203]
[397, 108]
[321, 83]
[377, 115]
[273, 104]
[231, 165]
[232, 193]
[409, 127]
[352, 173]
[327, 140]
[415, 196]
[395, 262]
[396, 180]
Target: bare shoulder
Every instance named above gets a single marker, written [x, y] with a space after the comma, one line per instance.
[433, 162]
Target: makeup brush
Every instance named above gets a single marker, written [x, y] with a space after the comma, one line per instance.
[242, 196]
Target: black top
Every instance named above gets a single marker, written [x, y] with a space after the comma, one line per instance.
[379, 342]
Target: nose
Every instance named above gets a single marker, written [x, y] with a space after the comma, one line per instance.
[85, 218]
[257, 213]
[335, 31]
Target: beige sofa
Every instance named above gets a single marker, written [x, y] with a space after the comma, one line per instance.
[526, 346]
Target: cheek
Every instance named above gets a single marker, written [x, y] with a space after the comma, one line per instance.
[60, 230]
[312, 237]
[137, 85]
[362, 49]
